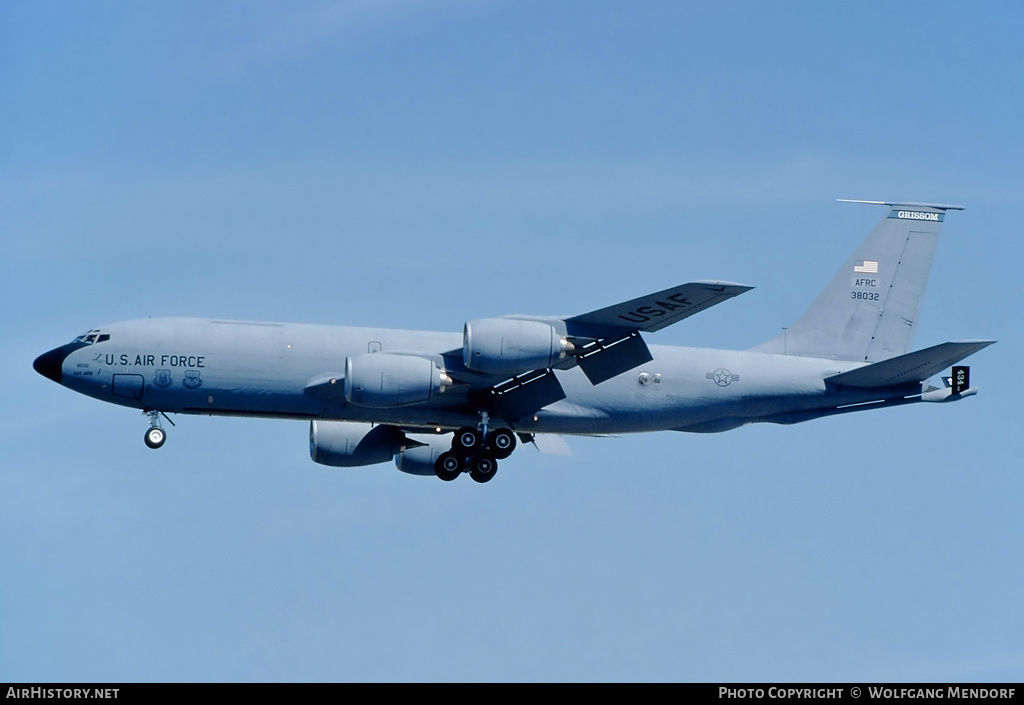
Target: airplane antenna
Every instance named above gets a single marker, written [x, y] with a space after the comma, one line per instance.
[937, 206]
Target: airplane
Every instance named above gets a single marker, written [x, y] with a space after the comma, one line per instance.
[444, 403]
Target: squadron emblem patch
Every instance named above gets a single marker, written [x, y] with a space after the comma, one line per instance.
[192, 380]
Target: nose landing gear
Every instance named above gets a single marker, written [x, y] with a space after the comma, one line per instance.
[155, 435]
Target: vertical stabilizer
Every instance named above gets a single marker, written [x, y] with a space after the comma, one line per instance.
[869, 310]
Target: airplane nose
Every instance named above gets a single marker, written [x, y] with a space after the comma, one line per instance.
[49, 364]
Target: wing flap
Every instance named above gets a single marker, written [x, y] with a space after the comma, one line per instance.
[551, 444]
[614, 357]
[911, 367]
[526, 393]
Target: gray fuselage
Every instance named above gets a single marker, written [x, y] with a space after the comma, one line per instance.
[199, 366]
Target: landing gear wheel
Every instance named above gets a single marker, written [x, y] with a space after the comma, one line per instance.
[155, 437]
[483, 469]
[466, 439]
[448, 466]
[502, 442]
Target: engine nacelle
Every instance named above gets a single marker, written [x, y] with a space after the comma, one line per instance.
[383, 380]
[346, 444]
[420, 460]
[507, 346]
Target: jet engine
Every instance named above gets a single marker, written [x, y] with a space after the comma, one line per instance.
[508, 346]
[346, 444]
[420, 460]
[382, 380]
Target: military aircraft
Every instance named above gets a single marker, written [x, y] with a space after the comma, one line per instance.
[445, 403]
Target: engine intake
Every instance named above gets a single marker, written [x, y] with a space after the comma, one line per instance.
[508, 346]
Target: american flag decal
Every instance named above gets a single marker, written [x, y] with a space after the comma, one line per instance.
[866, 266]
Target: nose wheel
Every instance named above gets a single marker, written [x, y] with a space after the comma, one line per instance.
[156, 435]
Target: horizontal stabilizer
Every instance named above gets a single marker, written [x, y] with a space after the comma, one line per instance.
[911, 367]
[654, 311]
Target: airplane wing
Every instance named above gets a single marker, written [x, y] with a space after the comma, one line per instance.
[610, 337]
[655, 311]
[607, 342]
[506, 365]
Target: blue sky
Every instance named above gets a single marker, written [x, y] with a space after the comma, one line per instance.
[418, 164]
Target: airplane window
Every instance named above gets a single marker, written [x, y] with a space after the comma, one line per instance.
[93, 336]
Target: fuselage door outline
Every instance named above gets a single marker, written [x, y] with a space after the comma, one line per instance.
[128, 386]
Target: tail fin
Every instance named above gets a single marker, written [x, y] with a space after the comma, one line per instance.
[869, 311]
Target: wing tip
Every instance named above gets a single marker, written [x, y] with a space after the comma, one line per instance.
[718, 283]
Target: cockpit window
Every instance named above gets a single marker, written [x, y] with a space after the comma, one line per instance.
[93, 336]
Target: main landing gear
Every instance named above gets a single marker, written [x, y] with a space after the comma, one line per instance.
[476, 451]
